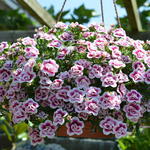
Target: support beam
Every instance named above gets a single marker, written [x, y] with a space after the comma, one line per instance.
[37, 11]
[133, 15]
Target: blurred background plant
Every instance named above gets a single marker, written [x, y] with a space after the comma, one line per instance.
[138, 141]
[14, 20]
[11, 134]
[144, 12]
[81, 14]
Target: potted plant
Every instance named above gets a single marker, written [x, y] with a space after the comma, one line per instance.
[76, 76]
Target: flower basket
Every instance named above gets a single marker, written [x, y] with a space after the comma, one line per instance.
[68, 76]
[87, 133]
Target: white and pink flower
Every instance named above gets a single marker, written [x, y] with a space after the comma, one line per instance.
[49, 67]
[76, 95]
[110, 100]
[108, 125]
[5, 74]
[35, 137]
[57, 84]
[147, 76]
[93, 92]
[137, 76]
[47, 129]
[30, 106]
[139, 53]
[120, 130]
[92, 107]
[83, 82]
[134, 96]
[133, 111]
[58, 117]
[109, 80]
[75, 126]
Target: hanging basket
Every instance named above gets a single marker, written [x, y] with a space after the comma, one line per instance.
[88, 132]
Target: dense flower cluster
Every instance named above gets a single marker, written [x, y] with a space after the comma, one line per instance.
[71, 74]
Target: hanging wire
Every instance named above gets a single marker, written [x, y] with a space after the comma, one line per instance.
[61, 11]
[116, 12]
[102, 11]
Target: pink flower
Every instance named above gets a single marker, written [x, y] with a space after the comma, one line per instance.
[60, 25]
[62, 53]
[116, 54]
[79, 107]
[116, 63]
[83, 82]
[57, 84]
[19, 115]
[81, 49]
[101, 42]
[120, 130]
[66, 36]
[113, 48]
[122, 90]
[138, 65]
[84, 63]
[45, 82]
[8, 64]
[133, 111]
[119, 32]
[5, 74]
[21, 60]
[95, 71]
[47, 129]
[10, 94]
[64, 75]
[139, 53]
[62, 94]
[34, 135]
[91, 47]
[83, 115]
[54, 102]
[58, 117]
[147, 61]
[94, 54]
[134, 96]
[31, 52]
[22, 76]
[28, 41]
[109, 80]
[93, 92]
[110, 100]
[122, 77]
[41, 94]
[75, 126]
[92, 107]
[2, 93]
[108, 125]
[3, 45]
[55, 43]
[147, 76]
[137, 76]
[76, 71]
[30, 106]
[76, 95]
[49, 67]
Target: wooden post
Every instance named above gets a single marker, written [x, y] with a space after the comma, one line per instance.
[133, 15]
[37, 11]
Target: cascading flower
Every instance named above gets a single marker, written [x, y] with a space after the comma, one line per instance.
[72, 71]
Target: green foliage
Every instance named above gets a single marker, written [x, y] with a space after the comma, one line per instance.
[144, 14]
[14, 20]
[80, 14]
[136, 142]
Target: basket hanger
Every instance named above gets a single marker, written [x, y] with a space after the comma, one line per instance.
[101, 9]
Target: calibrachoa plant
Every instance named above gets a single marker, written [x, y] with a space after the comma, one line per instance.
[72, 74]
